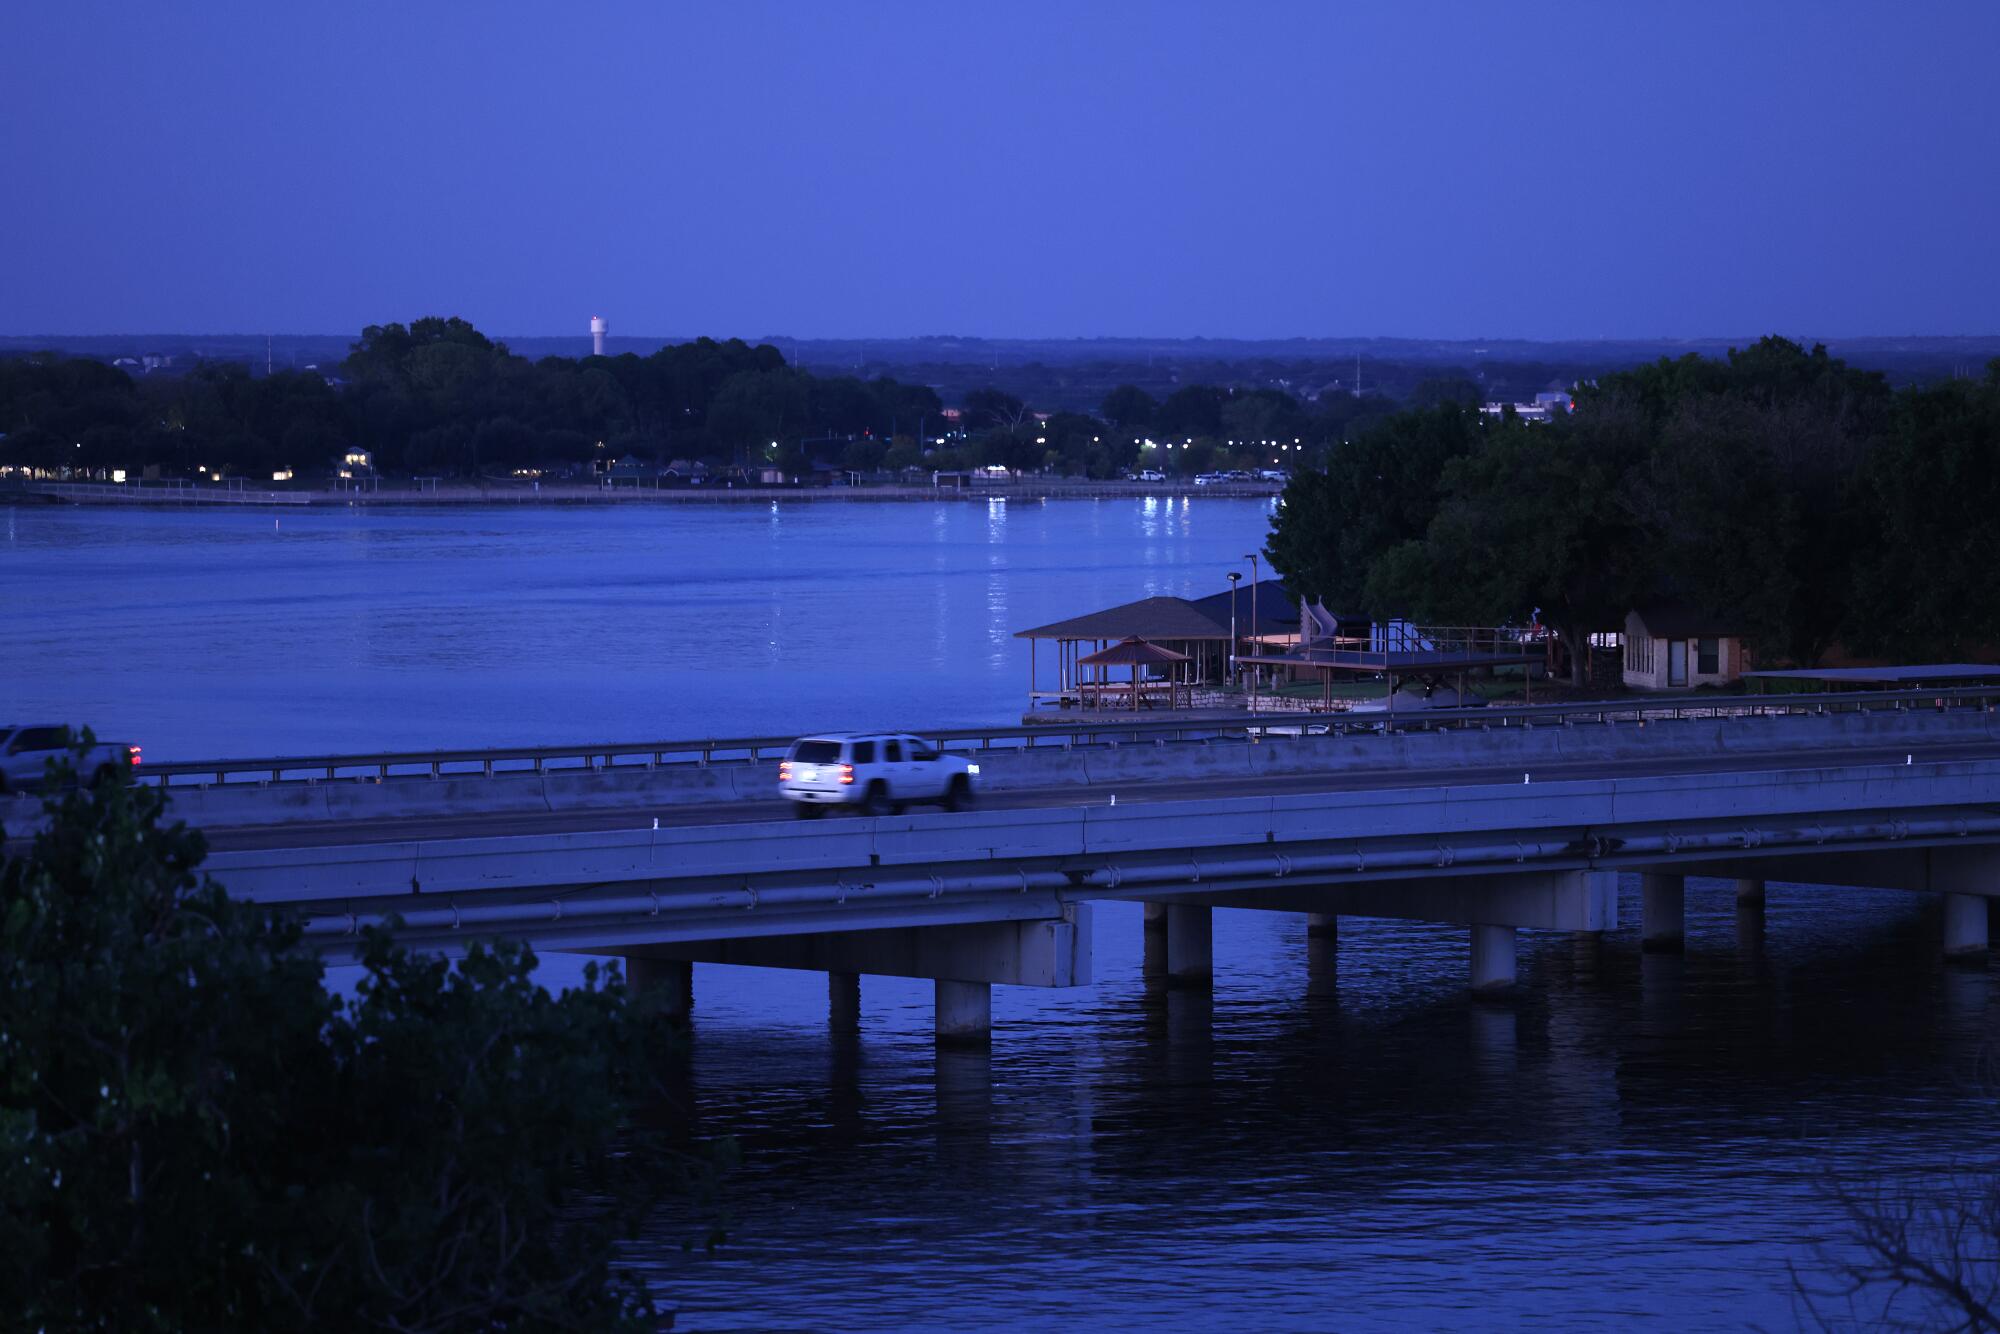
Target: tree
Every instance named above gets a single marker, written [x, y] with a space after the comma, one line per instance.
[1751, 490]
[993, 410]
[1916, 1255]
[753, 408]
[1260, 415]
[1192, 410]
[1537, 518]
[1379, 490]
[864, 455]
[1129, 408]
[1923, 585]
[194, 1133]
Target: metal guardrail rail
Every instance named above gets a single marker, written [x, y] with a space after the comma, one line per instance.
[376, 767]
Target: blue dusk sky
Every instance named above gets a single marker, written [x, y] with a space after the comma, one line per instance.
[1003, 169]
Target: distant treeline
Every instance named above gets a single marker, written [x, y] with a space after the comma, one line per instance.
[1800, 500]
[439, 397]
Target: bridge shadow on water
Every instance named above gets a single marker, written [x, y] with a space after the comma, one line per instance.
[1336, 1138]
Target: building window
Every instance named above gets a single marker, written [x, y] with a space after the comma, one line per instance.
[1708, 657]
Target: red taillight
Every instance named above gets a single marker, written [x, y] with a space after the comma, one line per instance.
[846, 773]
[135, 756]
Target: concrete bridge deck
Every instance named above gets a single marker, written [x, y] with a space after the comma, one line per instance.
[1495, 830]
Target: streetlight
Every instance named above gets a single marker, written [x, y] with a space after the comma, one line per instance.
[1235, 576]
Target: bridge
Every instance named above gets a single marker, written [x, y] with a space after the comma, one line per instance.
[1494, 821]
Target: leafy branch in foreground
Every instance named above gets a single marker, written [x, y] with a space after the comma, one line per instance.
[195, 1133]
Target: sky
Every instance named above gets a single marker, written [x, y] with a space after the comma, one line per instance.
[1009, 169]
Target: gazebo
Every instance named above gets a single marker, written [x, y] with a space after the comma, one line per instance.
[1138, 654]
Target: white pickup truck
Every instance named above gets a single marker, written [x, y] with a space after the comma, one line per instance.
[26, 751]
[873, 772]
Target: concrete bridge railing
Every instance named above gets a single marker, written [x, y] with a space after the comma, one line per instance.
[1087, 768]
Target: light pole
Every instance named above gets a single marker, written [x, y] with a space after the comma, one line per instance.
[1255, 671]
[1235, 576]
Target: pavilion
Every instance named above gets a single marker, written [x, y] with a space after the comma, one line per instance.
[1262, 619]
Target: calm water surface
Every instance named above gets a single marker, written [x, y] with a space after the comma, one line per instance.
[213, 633]
[1347, 1144]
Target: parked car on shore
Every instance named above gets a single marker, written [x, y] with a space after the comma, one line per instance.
[25, 752]
[872, 772]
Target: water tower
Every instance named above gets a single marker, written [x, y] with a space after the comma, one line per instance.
[597, 330]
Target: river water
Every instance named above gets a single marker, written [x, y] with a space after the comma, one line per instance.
[1317, 1144]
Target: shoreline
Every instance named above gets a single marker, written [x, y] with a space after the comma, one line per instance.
[115, 494]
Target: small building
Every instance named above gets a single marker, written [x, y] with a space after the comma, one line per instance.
[1672, 646]
[631, 470]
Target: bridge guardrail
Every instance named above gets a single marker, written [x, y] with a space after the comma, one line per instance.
[502, 761]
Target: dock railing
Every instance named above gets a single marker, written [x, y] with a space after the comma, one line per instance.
[521, 760]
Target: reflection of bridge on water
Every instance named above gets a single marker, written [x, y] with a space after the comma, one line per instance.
[1508, 822]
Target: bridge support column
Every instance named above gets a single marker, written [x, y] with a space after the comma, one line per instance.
[1965, 927]
[1323, 924]
[1153, 945]
[1750, 891]
[672, 980]
[843, 999]
[1663, 913]
[1492, 959]
[1190, 945]
[964, 1013]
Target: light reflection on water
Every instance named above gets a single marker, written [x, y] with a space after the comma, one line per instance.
[1346, 1145]
[228, 632]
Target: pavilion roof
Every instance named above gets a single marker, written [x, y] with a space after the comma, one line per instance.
[1162, 618]
[1132, 651]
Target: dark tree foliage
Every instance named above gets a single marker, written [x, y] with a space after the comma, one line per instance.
[1924, 585]
[1127, 408]
[1778, 489]
[439, 397]
[196, 1134]
[1377, 491]
[1193, 410]
[1533, 518]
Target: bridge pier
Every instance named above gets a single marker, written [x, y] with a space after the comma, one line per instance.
[1965, 927]
[1322, 963]
[1663, 913]
[1190, 945]
[843, 1000]
[1153, 942]
[1323, 924]
[1493, 959]
[1750, 891]
[964, 1013]
[671, 980]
